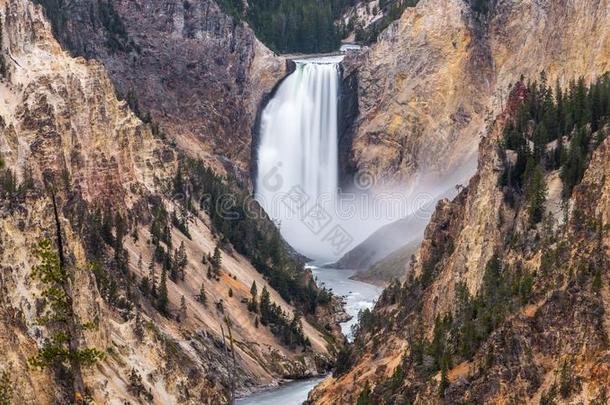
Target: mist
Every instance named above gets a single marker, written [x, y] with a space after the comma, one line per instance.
[297, 180]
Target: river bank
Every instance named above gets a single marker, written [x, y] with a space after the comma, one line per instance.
[356, 296]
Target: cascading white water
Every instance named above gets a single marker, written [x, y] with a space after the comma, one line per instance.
[297, 179]
[297, 154]
[299, 131]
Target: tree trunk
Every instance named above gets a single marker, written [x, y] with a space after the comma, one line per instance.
[78, 383]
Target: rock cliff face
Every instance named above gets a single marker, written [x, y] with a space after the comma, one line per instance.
[549, 347]
[428, 87]
[196, 71]
[63, 132]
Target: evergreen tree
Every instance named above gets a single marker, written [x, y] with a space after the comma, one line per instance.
[444, 378]
[152, 279]
[135, 387]
[202, 296]
[216, 259]
[182, 309]
[145, 286]
[163, 299]
[344, 361]
[253, 303]
[365, 397]
[575, 164]
[536, 194]
[265, 306]
[138, 328]
[179, 263]
[62, 347]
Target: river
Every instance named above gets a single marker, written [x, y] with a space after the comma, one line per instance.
[358, 296]
[297, 183]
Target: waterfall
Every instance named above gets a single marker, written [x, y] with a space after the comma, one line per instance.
[297, 178]
[297, 156]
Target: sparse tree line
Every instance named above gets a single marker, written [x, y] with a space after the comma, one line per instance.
[253, 236]
[552, 130]
[391, 9]
[268, 313]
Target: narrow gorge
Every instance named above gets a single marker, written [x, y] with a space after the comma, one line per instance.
[410, 208]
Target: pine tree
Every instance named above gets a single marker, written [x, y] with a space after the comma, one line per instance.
[202, 296]
[181, 260]
[182, 309]
[152, 278]
[135, 387]
[536, 194]
[216, 260]
[265, 306]
[145, 286]
[62, 347]
[444, 378]
[163, 300]
[252, 303]
[365, 395]
[138, 328]
[209, 272]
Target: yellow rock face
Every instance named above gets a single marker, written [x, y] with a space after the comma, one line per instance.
[61, 123]
[445, 72]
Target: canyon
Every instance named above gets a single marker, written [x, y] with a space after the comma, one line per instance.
[126, 124]
[70, 146]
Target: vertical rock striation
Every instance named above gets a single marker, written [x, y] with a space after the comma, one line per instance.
[428, 87]
[62, 129]
[199, 73]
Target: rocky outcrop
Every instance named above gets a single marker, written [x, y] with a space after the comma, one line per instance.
[384, 242]
[348, 113]
[548, 344]
[64, 133]
[429, 85]
[198, 73]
